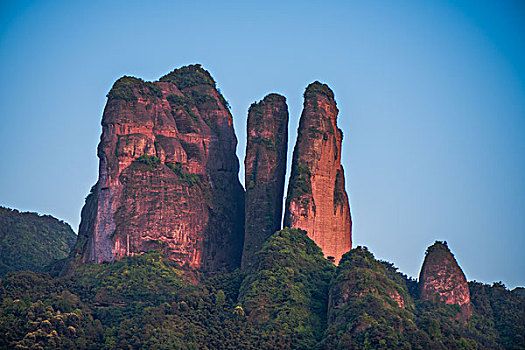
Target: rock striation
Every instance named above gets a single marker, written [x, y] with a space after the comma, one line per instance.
[265, 168]
[442, 280]
[317, 201]
[168, 175]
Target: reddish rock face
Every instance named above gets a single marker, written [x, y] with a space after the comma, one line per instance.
[441, 278]
[265, 165]
[317, 201]
[168, 175]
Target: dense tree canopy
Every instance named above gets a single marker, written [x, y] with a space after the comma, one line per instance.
[291, 298]
[29, 241]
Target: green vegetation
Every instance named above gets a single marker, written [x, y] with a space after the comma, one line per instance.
[286, 292]
[29, 241]
[317, 88]
[127, 88]
[150, 162]
[499, 314]
[365, 314]
[274, 98]
[203, 100]
[189, 76]
[182, 103]
[185, 177]
[196, 78]
[292, 298]
[301, 180]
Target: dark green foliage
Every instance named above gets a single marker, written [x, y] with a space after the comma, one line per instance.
[189, 76]
[29, 241]
[317, 88]
[183, 103]
[147, 278]
[500, 312]
[364, 312]
[274, 98]
[151, 162]
[38, 312]
[286, 290]
[187, 178]
[203, 100]
[301, 180]
[194, 78]
[369, 318]
[148, 302]
[441, 246]
[127, 88]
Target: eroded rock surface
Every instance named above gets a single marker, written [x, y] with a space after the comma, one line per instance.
[168, 175]
[317, 201]
[265, 168]
[441, 278]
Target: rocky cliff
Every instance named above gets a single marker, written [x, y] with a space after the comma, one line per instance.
[168, 175]
[441, 278]
[317, 201]
[265, 168]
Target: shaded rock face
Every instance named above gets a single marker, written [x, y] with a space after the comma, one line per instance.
[168, 175]
[265, 168]
[317, 201]
[441, 278]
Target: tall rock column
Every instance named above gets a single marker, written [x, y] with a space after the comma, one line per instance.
[317, 201]
[265, 168]
[442, 280]
[168, 175]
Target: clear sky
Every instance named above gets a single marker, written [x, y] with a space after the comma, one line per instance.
[431, 97]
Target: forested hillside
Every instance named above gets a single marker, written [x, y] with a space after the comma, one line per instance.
[29, 241]
[291, 298]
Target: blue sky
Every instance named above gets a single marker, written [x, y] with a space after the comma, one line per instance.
[431, 97]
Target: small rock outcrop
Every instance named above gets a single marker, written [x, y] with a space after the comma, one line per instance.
[168, 175]
[442, 280]
[317, 201]
[265, 168]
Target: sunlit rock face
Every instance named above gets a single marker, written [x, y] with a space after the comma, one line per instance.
[441, 278]
[265, 168]
[317, 201]
[168, 175]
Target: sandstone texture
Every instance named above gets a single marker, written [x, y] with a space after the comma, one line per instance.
[317, 201]
[168, 175]
[265, 168]
[442, 280]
